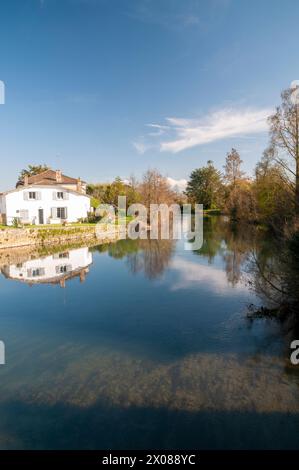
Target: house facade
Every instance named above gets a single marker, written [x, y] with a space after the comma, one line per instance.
[47, 198]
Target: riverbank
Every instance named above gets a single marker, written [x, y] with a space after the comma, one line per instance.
[48, 236]
[18, 255]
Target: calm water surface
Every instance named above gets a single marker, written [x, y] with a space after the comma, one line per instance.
[141, 344]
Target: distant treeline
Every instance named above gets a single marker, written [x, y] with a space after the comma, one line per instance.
[271, 197]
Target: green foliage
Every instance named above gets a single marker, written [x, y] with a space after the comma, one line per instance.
[16, 222]
[32, 170]
[95, 202]
[274, 195]
[205, 187]
[108, 193]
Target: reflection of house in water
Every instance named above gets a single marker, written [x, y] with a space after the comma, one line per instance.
[53, 269]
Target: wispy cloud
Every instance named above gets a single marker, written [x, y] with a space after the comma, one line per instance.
[178, 15]
[140, 146]
[180, 133]
[158, 130]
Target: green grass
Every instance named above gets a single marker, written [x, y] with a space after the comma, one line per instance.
[4, 227]
[55, 226]
[75, 224]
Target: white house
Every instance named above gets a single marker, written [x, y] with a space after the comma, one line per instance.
[47, 198]
[53, 269]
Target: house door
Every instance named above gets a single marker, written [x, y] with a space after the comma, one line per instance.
[41, 216]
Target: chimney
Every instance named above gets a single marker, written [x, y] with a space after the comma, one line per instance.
[26, 180]
[58, 176]
[79, 185]
[82, 275]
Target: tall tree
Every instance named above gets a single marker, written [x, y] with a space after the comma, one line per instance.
[273, 191]
[284, 133]
[155, 189]
[232, 167]
[205, 186]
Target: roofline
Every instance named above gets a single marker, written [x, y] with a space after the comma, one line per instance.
[50, 169]
[46, 186]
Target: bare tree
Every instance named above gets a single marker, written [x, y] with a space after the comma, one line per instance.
[284, 132]
[232, 168]
[155, 189]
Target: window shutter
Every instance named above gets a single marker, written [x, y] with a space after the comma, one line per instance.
[54, 212]
[54, 195]
[26, 196]
[65, 212]
[65, 196]
[38, 195]
[24, 215]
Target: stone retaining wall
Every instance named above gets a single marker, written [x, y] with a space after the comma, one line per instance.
[13, 237]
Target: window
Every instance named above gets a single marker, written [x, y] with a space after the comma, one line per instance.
[61, 255]
[32, 195]
[63, 269]
[61, 212]
[35, 272]
[60, 195]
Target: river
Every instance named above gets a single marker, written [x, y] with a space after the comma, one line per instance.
[141, 344]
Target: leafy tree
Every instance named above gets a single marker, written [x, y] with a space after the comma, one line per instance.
[205, 187]
[274, 195]
[94, 202]
[32, 170]
[241, 202]
[113, 190]
[97, 190]
[107, 193]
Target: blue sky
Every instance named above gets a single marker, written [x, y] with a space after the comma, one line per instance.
[101, 88]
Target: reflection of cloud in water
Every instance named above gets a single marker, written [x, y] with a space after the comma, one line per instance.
[192, 273]
[200, 382]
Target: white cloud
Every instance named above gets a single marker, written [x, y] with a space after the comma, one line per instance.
[218, 125]
[177, 184]
[160, 130]
[192, 273]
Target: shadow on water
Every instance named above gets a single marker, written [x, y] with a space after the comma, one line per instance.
[104, 427]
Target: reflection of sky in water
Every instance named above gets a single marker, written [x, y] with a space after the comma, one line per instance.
[153, 348]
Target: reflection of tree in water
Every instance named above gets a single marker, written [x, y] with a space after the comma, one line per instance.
[233, 243]
[152, 258]
[149, 256]
[119, 249]
[240, 241]
[212, 238]
[275, 278]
